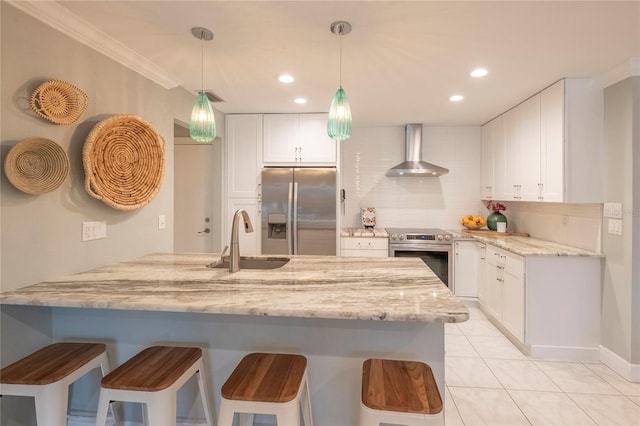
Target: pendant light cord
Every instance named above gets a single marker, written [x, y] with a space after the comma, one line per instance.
[202, 61]
[341, 57]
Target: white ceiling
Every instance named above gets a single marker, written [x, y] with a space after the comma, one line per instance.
[401, 61]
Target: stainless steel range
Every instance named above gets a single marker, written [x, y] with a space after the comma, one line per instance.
[433, 246]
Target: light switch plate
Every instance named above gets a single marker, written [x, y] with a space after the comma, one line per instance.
[613, 210]
[162, 221]
[94, 230]
[614, 226]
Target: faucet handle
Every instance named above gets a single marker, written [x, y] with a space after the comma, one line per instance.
[224, 251]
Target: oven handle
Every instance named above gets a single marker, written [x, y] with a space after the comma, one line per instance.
[420, 247]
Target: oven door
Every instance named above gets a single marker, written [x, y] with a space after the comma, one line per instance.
[436, 256]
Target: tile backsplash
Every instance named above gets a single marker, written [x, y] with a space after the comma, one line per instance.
[412, 201]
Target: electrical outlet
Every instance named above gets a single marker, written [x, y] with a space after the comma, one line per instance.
[94, 230]
[613, 210]
[614, 226]
[162, 221]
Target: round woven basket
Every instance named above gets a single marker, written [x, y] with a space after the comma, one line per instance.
[123, 158]
[59, 101]
[36, 165]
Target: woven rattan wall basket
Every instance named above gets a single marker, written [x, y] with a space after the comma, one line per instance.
[36, 165]
[59, 101]
[123, 158]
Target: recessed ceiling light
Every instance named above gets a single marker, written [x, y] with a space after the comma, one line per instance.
[286, 78]
[300, 100]
[456, 98]
[479, 72]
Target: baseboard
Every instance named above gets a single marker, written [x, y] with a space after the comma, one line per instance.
[565, 353]
[629, 371]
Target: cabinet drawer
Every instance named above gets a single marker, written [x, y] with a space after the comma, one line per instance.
[364, 243]
[365, 253]
[514, 265]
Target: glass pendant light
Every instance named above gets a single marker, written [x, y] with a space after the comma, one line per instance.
[202, 127]
[339, 124]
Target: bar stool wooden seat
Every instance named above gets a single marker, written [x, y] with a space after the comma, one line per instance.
[47, 373]
[266, 383]
[152, 377]
[399, 393]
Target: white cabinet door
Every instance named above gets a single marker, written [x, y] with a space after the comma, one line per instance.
[513, 290]
[500, 190]
[529, 149]
[315, 145]
[465, 264]
[513, 173]
[552, 143]
[281, 136]
[295, 139]
[249, 242]
[243, 152]
[482, 272]
[487, 160]
[493, 284]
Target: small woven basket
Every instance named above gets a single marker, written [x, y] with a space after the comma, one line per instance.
[59, 102]
[36, 165]
[123, 159]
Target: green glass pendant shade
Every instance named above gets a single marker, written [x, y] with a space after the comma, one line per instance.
[339, 124]
[202, 127]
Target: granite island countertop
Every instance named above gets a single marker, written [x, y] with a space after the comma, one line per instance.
[390, 289]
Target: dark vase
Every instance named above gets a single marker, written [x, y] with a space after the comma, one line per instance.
[494, 218]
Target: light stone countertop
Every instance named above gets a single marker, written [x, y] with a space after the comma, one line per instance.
[362, 232]
[390, 289]
[527, 246]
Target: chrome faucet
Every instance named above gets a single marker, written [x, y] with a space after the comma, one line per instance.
[234, 256]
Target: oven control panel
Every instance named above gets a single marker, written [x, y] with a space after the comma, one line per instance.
[419, 237]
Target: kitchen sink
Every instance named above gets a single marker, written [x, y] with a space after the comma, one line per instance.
[254, 263]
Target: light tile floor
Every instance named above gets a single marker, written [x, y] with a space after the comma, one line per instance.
[490, 382]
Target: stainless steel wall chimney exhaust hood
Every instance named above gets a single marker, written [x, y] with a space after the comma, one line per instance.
[413, 164]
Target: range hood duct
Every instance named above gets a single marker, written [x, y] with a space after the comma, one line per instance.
[413, 164]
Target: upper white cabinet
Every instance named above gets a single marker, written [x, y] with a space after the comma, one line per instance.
[551, 148]
[243, 150]
[293, 139]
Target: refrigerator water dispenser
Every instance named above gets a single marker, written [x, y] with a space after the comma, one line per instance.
[277, 226]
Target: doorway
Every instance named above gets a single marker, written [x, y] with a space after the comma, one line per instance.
[196, 194]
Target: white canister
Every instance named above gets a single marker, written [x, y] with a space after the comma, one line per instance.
[501, 227]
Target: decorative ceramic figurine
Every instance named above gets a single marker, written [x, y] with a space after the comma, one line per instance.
[368, 217]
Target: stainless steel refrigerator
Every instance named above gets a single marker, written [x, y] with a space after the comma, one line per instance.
[299, 210]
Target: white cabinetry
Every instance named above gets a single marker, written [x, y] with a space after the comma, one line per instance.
[550, 305]
[505, 290]
[243, 148]
[466, 267]
[294, 139]
[364, 247]
[553, 146]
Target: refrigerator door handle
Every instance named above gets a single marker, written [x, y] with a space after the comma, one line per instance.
[295, 218]
[289, 222]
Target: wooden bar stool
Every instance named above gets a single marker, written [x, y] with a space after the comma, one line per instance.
[264, 383]
[47, 373]
[153, 377]
[400, 393]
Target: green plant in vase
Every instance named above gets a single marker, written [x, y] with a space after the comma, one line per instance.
[495, 216]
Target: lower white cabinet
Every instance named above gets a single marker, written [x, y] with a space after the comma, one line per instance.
[504, 275]
[364, 247]
[467, 267]
[549, 304]
[249, 242]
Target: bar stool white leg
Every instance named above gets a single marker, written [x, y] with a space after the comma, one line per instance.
[306, 403]
[225, 415]
[246, 419]
[51, 404]
[161, 409]
[204, 396]
[104, 404]
[288, 415]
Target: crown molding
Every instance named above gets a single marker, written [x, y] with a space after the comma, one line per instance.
[63, 20]
[630, 68]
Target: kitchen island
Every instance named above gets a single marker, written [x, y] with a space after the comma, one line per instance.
[336, 311]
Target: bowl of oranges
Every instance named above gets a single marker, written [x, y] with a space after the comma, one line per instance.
[473, 222]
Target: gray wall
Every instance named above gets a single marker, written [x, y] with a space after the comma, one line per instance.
[621, 284]
[41, 234]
